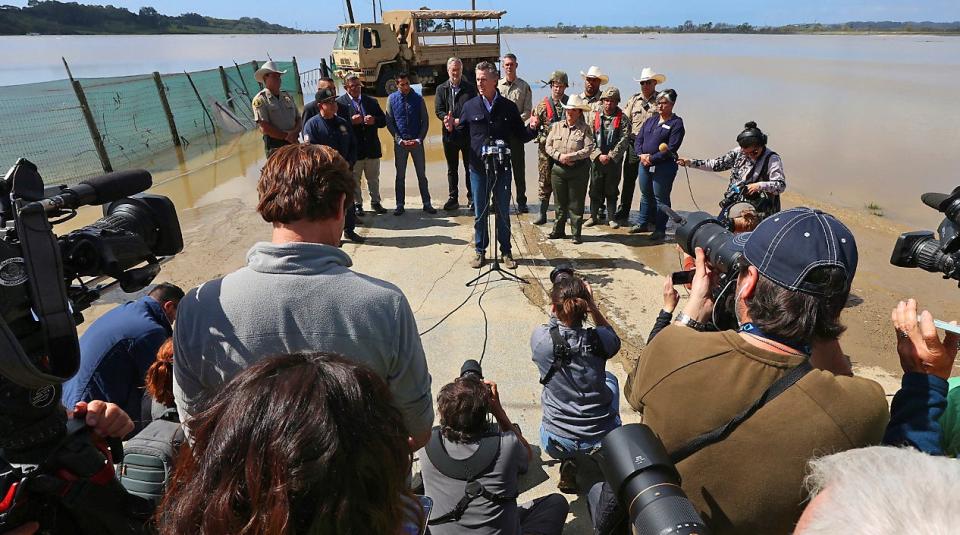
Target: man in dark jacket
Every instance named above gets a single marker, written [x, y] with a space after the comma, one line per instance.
[366, 117]
[311, 109]
[334, 131]
[117, 349]
[488, 116]
[451, 95]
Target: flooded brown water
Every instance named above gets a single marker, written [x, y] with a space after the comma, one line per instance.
[856, 119]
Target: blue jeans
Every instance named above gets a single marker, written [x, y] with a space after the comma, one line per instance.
[419, 164]
[564, 448]
[501, 203]
[656, 188]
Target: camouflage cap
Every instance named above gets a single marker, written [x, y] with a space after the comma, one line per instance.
[559, 76]
[610, 93]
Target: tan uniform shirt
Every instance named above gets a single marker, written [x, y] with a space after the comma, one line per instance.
[688, 382]
[595, 105]
[575, 140]
[639, 110]
[519, 93]
[279, 111]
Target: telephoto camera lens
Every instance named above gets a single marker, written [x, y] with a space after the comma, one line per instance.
[636, 465]
[700, 229]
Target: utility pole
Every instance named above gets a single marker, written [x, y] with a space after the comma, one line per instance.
[374, 11]
[350, 11]
[473, 6]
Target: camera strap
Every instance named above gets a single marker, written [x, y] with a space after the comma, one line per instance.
[51, 309]
[561, 354]
[722, 432]
[467, 470]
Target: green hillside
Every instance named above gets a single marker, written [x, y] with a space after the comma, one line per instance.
[71, 18]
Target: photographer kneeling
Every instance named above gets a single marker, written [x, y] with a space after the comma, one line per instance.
[581, 400]
[796, 279]
[471, 467]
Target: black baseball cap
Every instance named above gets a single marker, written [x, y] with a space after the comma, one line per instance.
[788, 245]
[326, 95]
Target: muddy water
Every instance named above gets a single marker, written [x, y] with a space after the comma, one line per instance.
[857, 120]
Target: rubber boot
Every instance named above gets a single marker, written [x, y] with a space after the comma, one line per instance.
[577, 227]
[543, 213]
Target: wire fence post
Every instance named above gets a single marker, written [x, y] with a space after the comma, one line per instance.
[256, 67]
[296, 74]
[92, 127]
[226, 87]
[200, 100]
[166, 108]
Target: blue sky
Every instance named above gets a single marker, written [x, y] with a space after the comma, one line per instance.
[326, 14]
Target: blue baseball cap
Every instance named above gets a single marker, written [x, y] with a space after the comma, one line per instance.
[788, 245]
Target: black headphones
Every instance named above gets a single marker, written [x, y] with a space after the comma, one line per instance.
[751, 135]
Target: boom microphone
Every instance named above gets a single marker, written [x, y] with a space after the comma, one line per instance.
[665, 148]
[100, 190]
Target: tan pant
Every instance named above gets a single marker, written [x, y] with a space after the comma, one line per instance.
[371, 168]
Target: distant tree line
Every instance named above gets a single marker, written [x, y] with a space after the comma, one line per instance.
[67, 18]
[722, 27]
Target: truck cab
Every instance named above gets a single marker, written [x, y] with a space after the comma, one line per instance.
[416, 42]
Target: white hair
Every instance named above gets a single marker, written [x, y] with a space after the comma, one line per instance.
[883, 490]
[454, 60]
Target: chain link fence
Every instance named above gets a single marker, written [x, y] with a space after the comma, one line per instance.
[76, 129]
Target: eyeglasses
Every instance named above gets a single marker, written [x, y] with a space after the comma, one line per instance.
[648, 82]
[752, 151]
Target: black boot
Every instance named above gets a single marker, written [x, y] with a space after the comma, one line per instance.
[559, 229]
[543, 213]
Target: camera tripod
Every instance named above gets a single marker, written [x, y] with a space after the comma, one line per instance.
[491, 153]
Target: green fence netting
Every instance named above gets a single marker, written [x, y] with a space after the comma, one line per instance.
[49, 127]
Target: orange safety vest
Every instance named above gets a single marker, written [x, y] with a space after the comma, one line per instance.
[598, 117]
[549, 107]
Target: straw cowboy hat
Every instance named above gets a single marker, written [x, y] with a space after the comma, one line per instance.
[267, 68]
[595, 72]
[576, 102]
[648, 74]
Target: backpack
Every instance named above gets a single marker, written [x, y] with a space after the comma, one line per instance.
[149, 457]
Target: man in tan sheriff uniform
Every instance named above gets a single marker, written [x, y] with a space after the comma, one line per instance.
[274, 110]
[639, 108]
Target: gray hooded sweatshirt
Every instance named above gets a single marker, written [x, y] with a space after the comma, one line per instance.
[299, 297]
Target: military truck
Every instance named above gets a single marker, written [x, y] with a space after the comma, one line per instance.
[417, 42]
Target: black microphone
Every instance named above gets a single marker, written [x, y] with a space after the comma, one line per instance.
[100, 190]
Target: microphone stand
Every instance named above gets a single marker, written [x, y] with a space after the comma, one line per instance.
[492, 176]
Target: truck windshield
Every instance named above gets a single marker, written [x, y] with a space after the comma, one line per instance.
[346, 39]
[352, 41]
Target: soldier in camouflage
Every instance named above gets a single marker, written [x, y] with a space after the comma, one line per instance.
[547, 112]
[610, 129]
[639, 108]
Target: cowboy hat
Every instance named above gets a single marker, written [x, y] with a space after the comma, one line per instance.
[648, 74]
[268, 67]
[576, 102]
[595, 72]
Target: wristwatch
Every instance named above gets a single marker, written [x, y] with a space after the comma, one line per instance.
[684, 319]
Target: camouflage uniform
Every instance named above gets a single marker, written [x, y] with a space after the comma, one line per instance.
[611, 134]
[638, 110]
[544, 163]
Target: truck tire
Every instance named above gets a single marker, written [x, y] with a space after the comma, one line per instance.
[386, 82]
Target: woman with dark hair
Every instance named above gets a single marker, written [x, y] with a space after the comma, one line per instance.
[581, 400]
[657, 144]
[301, 443]
[752, 166]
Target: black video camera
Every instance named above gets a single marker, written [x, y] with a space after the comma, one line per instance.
[921, 249]
[49, 464]
[646, 483]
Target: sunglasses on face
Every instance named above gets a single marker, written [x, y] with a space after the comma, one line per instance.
[648, 82]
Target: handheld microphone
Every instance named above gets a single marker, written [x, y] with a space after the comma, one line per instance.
[665, 148]
[100, 190]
